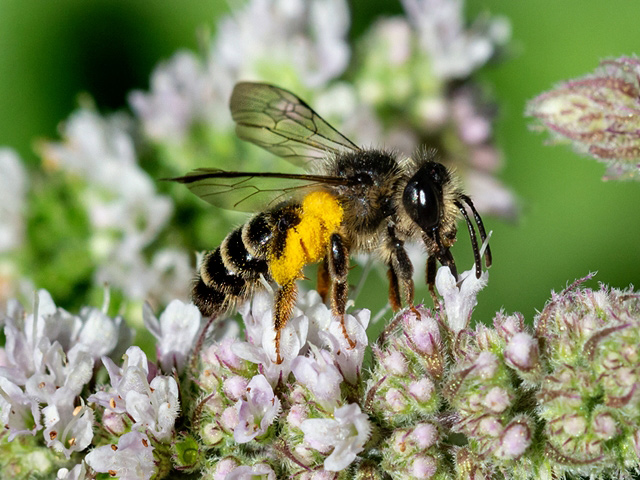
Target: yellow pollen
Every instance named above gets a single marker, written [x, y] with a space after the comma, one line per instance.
[307, 242]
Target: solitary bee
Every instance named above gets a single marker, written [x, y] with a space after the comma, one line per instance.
[351, 200]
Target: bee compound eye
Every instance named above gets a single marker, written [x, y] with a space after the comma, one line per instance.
[421, 201]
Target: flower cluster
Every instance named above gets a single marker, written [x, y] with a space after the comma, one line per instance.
[599, 113]
[438, 399]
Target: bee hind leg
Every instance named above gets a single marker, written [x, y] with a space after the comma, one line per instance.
[338, 268]
[285, 300]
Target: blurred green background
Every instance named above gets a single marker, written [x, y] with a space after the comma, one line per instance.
[571, 221]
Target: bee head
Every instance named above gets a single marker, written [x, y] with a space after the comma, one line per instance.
[422, 196]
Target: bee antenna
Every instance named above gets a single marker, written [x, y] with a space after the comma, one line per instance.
[483, 235]
[474, 239]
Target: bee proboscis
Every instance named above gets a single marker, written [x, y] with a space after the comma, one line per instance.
[350, 200]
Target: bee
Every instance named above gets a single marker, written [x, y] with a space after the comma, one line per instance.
[349, 200]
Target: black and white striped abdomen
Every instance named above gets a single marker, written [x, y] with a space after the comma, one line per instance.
[231, 272]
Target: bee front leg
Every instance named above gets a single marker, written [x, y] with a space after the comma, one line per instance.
[285, 300]
[338, 257]
[400, 270]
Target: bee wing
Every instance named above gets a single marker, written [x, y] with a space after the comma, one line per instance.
[251, 191]
[280, 122]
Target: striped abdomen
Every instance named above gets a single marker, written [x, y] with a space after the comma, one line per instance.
[231, 272]
[276, 244]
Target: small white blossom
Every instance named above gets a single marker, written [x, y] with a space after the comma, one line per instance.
[156, 410]
[259, 471]
[13, 189]
[454, 50]
[78, 472]
[319, 375]
[130, 459]
[131, 376]
[18, 411]
[346, 432]
[68, 428]
[348, 358]
[258, 409]
[175, 332]
[183, 93]
[459, 300]
[309, 37]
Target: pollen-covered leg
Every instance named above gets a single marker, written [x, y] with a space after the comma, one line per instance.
[338, 270]
[324, 280]
[283, 307]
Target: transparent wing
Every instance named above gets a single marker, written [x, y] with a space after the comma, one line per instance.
[280, 122]
[250, 191]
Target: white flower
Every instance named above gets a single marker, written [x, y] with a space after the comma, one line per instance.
[68, 429]
[130, 459]
[132, 376]
[459, 300]
[13, 187]
[259, 471]
[346, 432]
[348, 358]
[454, 50]
[258, 409]
[319, 375]
[175, 332]
[78, 472]
[309, 37]
[18, 411]
[183, 92]
[156, 410]
[261, 347]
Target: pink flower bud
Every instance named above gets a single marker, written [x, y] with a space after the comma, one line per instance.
[424, 466]
[515, 439]
[598, 113]
[521, 352]
[424, 435]
[605, 426]
[497, 400]
[422, 389]
[234, 387]
[395, 363]
[396, 400]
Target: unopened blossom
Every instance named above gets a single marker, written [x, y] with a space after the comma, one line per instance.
[130, 459]
[257, 410]
[599, 113]
[175, 333]
[346, 432]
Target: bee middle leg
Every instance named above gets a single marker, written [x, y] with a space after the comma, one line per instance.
[338, 268]
[324, 279]
[400, 271]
